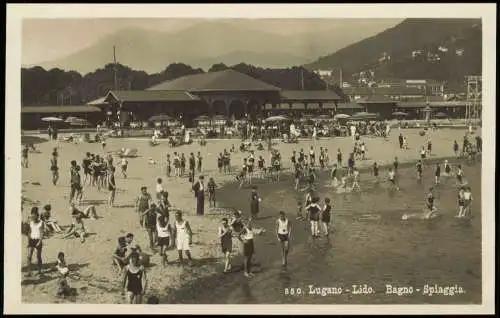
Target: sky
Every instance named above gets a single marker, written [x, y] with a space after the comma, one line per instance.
[51, 39]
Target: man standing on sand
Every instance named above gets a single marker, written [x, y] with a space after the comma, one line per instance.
[199, 194]
[142, 203]
[400, 141]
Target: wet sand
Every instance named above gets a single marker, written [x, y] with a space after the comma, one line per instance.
[370, 246]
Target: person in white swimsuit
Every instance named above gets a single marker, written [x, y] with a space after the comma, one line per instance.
[164, 231]
[35, 238]
[283, 229]
[183, 236]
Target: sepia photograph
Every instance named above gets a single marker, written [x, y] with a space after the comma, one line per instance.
[250, 155]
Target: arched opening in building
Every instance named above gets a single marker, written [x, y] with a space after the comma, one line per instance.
[237, 109]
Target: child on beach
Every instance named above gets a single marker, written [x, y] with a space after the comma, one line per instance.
[211, 192]
[226, 241]
[61, 265]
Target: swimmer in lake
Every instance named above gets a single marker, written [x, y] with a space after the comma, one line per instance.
[419, 170]
[375, 171]
[333, 175]
[460, 174]
[355, 179]
[447, 168]
[437, 174]
[392, 179]
[430, 200]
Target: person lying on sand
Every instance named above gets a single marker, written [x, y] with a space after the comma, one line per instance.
[89, 212]
[427, 215]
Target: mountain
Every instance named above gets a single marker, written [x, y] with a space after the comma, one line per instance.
[211, 42]
[426, 35]
[276, 60]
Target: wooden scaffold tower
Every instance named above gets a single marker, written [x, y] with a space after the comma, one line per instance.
[474, 99]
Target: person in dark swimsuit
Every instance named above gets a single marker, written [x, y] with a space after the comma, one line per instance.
[135, 280]
[111, 186]
[54, 168]
[419, 170]
[254, 203]
[326, 216]
[430, 200]
[437, 173]
[375, 171]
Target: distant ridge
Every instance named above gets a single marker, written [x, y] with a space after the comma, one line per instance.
[426, 35]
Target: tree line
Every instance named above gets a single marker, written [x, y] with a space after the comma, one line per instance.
[60, 87]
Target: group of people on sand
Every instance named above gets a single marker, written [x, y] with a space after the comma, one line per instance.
[179, 161]
[153, 212]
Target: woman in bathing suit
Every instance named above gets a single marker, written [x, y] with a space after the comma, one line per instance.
[134, 280]
[283, 229]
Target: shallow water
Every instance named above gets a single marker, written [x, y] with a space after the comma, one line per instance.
[370, 247]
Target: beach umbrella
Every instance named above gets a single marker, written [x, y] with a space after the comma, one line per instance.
[364, 115]
[201, 118]
[159, 118]
[399, 114]
[440, 115]
[323, 117]
[51, 119]
[341, 116]
[427, 109]
[75, 121]
[276, 118]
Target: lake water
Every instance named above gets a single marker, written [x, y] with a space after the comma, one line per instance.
[370, 247]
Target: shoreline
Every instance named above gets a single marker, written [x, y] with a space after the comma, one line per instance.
[235, 278]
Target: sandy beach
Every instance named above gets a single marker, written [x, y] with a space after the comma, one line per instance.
[98, 281]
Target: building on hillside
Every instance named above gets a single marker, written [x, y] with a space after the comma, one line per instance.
[393, 93]
[31, 116]
[432, 87]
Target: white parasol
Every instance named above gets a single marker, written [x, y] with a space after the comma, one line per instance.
[51, 119]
